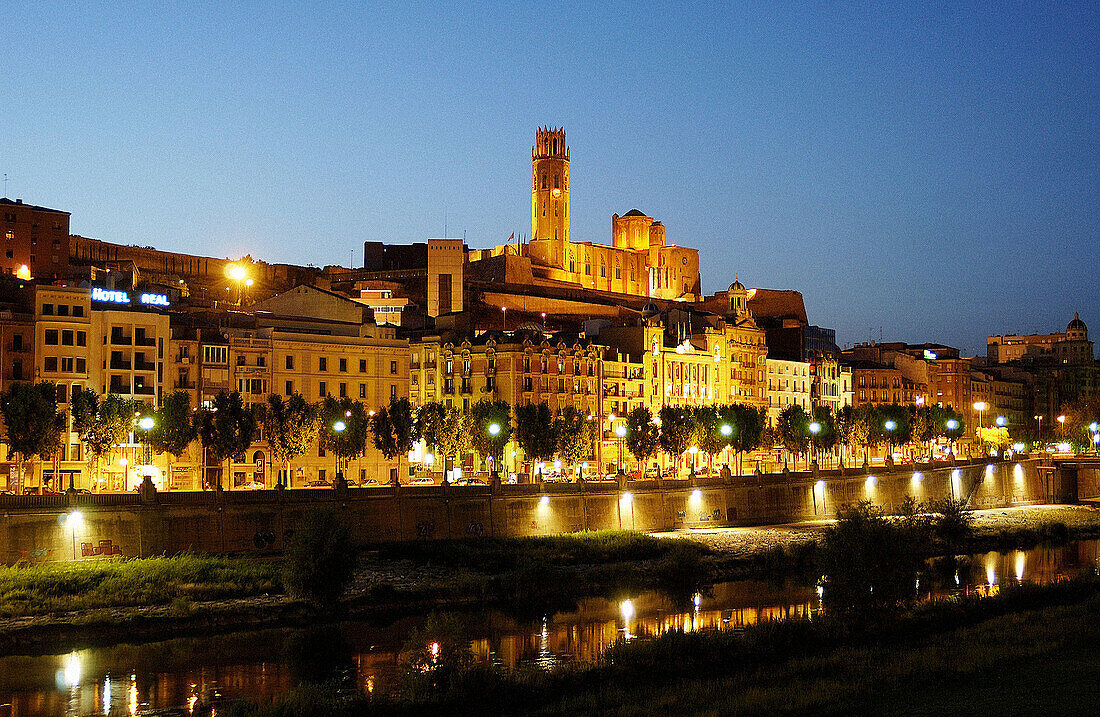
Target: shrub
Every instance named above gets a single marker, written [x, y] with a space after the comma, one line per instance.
[955, 522]
[320, 559]
[869, 563]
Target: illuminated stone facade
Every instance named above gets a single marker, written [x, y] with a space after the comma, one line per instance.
[638, 262]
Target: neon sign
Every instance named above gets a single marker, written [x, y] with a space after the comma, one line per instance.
[115, 297]
[121, 297]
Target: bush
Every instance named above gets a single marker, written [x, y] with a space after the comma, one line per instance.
[320, 559]
[869, 563]
[955, 522]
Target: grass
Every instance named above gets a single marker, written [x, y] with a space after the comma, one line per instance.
[53, 587]
[501, 555]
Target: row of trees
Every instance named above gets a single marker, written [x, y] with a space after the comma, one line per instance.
[853, 430]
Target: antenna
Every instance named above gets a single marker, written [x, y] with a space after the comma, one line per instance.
[5, 184]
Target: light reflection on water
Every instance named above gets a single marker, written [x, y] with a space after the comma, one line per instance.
[190, 673]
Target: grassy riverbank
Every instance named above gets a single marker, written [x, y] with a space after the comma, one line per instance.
[52, 587]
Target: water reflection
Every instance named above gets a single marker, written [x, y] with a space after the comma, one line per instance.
[190, 674]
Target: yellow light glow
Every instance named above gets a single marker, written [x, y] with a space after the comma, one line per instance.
[72, 670]
[980, 406]
[23, 272]
[1021, 561]
[626, 608]
[627, 497]
[544, 502]
[75, 520]
[123, 462]
[1018, 473]
[235, 272]
[696, 496]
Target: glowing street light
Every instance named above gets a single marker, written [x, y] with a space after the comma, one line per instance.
[980, 407]
[815, 427]
[620, 431]
[1001, 421]
[726, 429]
[338, 427]
[890, 425]
[494, 429]
[952, 424]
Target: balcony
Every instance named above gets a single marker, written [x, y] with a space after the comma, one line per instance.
[120, 365]
[414, 366]
[144, 366]
[429, 364]
[120, 340]
[140, 390]
[184, 385]
[116, 387]
[144, 341]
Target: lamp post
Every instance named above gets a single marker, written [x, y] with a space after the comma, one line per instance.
[146, 424]
[494, 430]
[726, 430]
[952, 425]
[980, 407]
[1039, 438]
[1062, 426]
[815, 428]
[890, 425]
[620, 431]
[338, 427]
[504, 317]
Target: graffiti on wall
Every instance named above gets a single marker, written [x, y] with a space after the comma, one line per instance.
[36, 555]
[102, 549]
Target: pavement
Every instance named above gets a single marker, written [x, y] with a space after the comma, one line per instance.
[745, 541]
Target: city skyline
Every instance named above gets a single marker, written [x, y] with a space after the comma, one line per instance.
[957, 142]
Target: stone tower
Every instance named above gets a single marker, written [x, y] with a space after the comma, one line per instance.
[550, 191]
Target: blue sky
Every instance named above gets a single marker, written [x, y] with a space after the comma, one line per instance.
[924, 168]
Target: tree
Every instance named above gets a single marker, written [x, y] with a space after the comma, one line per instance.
[892, 427]
[430, 420]
[642, 435]
[350, 442]
[226, 429]
[453, 435]
[535, 432]
[290, 426]
[825, 437]
[394, 429]
[173, 430]
[708, 435]
[923, 426]
[677, 431]
[33, 422]
[101, 424]
[748, 424]
[484, 415]
[575, 435]
[792, 428]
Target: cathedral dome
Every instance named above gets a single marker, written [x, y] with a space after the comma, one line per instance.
[1076, 324]
[650, 309]
[736, 285]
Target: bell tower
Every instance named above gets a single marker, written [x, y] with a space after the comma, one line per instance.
[550, 191]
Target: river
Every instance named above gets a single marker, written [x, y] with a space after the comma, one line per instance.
[177, 676]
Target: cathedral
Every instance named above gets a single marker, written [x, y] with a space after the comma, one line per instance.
[638, 262]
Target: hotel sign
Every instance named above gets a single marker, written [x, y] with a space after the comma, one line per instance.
[121, 297]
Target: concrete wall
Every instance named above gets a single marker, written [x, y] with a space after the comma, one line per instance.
[42, 528]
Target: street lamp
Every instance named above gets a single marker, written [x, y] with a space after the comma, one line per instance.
[493, 429]
[1039, 438]
[815, 428]
[338, 427]
[620, 431]
[1001, 421]
[146, 424]
[890, 425]
[980, 407]
[1062, 425]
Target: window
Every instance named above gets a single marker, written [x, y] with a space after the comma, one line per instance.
[322, 365]
[588, 270]
[362, 390]
[343, 390]
[81, 366]
[67, 337]
[290, 363]
[526, 383]
[321, 390]
[603, 271]
[618, 273]
[289, 387]
[261, 360]
[9, 254]
[51, 337]
[343, 365]
[67, 364]
[81, 338]
[393, 367]
[215, 354]
[393, 392]
[50, 364]
[362, 365]
[62, 309]
[47, 309]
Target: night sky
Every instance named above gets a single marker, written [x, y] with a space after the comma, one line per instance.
[927, 170]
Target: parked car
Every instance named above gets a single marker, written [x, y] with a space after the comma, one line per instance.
[318, 484]
[421, 480]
